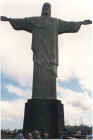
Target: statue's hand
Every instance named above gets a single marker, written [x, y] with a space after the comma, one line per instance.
[2, 18]
[86, 22]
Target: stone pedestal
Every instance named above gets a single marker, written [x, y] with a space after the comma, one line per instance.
[46, 115]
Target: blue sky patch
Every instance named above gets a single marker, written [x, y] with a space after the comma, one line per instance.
[72, 84]
[5, 95]
[9, 80]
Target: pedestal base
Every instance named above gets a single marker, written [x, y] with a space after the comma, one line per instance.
[44, 115]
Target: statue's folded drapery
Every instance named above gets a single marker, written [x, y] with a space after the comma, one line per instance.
[44, 83]
[45, 31]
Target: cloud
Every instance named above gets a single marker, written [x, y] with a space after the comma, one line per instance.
[20, 92]
[75, 57]
[11, 108]
[77, 106]
[12, 113]
[17, 56]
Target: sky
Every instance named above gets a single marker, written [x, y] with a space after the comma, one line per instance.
[74, 81]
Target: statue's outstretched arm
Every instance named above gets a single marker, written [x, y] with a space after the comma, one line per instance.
[3, 18]
[70, 26]
[18, 23]
[86, 22]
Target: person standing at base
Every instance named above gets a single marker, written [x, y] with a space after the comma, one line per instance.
[36, 134]
[20, 135]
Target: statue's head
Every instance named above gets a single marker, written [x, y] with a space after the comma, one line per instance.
[46, 9]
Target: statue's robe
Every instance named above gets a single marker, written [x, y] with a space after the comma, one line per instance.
[45, 31]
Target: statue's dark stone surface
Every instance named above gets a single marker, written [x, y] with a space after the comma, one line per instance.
[45, 31]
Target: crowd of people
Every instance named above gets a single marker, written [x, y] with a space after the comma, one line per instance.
[36, 134]
[80, 132]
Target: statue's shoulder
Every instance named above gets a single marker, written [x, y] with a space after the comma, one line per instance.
[56, 19]
[53, 18]
[32, 18]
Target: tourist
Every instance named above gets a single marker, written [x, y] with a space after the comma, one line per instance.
[30, 135]
[20, 135]
[26, 136]
[61, 134]
[36, 134]
[45, 135]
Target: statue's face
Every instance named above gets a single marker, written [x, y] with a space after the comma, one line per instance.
[46, 11]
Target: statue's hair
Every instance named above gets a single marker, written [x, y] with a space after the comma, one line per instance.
[49, 5]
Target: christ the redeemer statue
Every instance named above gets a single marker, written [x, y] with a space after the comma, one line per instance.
[45, 30]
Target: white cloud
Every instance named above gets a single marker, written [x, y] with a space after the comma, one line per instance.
[13, 109]
[20, 92]
[77, 106]
[17, 56]
[75, 57]
[12, 113]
